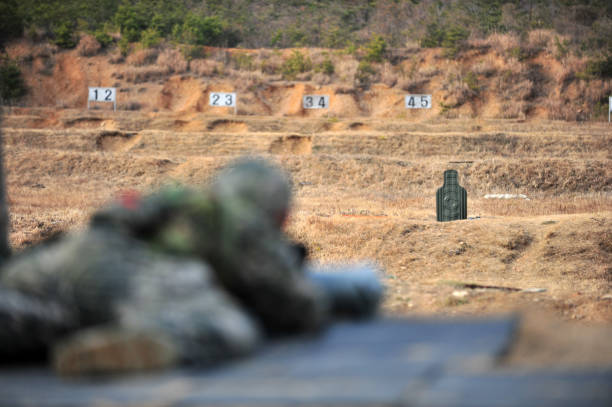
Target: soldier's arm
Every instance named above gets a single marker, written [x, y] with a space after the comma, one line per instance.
[354, 291]
[263, 270]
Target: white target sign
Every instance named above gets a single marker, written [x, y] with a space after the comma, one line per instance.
[315, 101]
[222, 99]
[97, 94]
[418, 101]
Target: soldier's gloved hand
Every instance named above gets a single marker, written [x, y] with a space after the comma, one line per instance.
[353, 291]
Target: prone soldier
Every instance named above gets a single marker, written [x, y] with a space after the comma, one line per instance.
[178, 276]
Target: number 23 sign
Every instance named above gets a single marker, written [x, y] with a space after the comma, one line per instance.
[222, 99]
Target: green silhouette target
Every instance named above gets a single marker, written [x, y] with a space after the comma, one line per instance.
[451, 199]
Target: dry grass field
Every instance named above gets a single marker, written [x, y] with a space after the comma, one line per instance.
[364, 190]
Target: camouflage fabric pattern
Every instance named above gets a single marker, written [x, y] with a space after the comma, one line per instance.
[179, 276]
[233, 228]
[103, 279]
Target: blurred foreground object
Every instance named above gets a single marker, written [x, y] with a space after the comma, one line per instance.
[179, 276]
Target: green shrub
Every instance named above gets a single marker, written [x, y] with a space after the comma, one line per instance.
[471, 80]
[124, 46]
[351, 48]
[12, 86]
[375, 49]
[433, 36]
[197, 30]
[103, 38]
[326, 67]
[64, 36]
[363, 75]
[243, 62]
[150, 38]
[276, 39]
[11, 21]
[454, 39]
[562, 48]
[450, 38]
[190, 52]
[295, 64]
[599, 68]
[131, 21]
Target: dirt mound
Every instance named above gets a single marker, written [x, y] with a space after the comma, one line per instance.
[181, 94]
[89, 122]
[229, 126]
[358, 126]
[292, 144]
[116, 141]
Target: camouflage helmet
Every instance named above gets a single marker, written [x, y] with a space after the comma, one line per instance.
[258, 182]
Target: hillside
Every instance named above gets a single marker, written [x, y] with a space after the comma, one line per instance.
[485, 80]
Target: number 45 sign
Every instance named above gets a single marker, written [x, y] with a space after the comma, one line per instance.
[418, 101]
[103, 95]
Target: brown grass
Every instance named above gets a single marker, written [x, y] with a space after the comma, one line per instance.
[88, 46]
[145, 74]
[204, 67]
[365, 193]
[143, 57]
[172, 61]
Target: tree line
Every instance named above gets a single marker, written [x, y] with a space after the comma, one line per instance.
[315, 23]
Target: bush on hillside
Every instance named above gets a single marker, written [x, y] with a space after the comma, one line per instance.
[12, 86]
[326, 67]
[131, 21]
[297, 63]
[11, 21]
[64, 36]
[150, 38]
[375, 49]
[433, 36]
[452, 38]
[600, 68]
[197, 30]
[365, 75]
[103, 38]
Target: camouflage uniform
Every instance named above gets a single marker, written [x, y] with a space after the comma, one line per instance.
[235, 227]
[125, 294]
[139, 276]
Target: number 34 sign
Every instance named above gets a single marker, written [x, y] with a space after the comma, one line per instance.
[103, 95]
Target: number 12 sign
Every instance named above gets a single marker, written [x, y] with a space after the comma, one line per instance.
[418, 101]
[103, 95]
